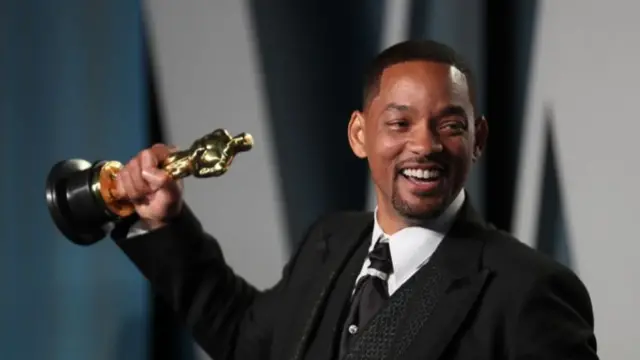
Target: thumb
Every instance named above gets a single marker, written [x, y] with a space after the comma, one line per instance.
[156, 178]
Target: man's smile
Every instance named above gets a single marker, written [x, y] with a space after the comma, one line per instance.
[420, 180]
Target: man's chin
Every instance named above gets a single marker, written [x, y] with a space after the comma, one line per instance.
[420, 207]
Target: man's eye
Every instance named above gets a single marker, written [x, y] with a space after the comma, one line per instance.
[454, 127]
[398, 123]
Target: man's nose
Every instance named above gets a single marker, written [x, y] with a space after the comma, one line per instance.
[424, 141]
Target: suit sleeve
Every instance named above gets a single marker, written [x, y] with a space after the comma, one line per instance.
[555, 321]
[228, 317]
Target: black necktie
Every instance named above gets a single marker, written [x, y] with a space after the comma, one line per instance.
[371, 292]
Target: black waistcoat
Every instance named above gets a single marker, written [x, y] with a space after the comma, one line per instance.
[390, 332]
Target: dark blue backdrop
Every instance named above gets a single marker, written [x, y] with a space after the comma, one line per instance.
[71, 85]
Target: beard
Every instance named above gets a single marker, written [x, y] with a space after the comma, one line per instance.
[431, 205]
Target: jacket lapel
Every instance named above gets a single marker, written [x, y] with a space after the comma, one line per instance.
[337, 243]
[450, 285]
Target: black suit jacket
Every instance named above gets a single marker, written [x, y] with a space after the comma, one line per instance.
[493, 297]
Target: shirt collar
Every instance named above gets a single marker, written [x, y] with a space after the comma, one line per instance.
[413, 245]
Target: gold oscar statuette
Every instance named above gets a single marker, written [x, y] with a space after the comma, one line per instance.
[82, 197]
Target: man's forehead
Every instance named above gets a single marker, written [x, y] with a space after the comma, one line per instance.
[420, 79]
[434, 72]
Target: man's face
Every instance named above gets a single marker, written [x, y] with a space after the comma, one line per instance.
[419, 136]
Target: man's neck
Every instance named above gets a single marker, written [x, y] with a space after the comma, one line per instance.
[390, 221]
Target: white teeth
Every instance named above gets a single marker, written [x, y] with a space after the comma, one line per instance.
[421, 174]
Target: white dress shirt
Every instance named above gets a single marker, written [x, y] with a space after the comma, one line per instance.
[412, 247]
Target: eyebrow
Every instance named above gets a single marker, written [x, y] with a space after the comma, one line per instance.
[452, 110]
[398, 107]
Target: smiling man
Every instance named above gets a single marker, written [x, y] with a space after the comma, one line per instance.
[422, 277]
[418, 131]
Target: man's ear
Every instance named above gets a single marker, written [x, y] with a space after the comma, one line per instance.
[355, 132]
[481, 135]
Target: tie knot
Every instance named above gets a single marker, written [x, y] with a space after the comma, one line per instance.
[380, 257]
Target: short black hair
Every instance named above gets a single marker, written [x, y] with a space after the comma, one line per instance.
[412, 50]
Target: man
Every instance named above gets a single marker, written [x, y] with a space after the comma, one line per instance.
[423, 277]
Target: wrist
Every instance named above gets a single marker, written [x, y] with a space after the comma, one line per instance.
[155, 224]
[151, 225]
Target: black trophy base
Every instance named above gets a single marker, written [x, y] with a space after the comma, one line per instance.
[76, 209]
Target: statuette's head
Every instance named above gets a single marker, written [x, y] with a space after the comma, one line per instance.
[212, 154]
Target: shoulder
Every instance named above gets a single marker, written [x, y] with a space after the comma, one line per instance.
[504, 252]
[335, 222]
[525, 272]
[545, 306]
[315, 241]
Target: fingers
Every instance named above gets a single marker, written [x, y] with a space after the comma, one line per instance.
[152, 175]
[140, 185]
[126, 184]
[131, 184]
[161, 152]
[156, 178]
[141, 176]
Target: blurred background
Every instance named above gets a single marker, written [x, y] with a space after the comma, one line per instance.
[102, 79]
